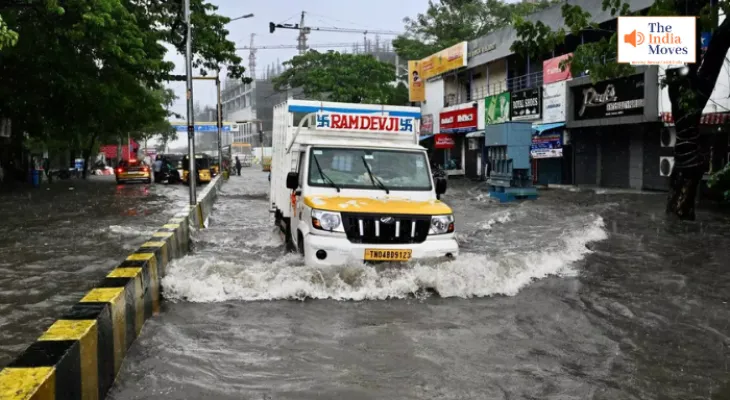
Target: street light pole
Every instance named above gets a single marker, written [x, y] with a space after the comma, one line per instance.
[220, 122]
[241, 17]
[192, 174]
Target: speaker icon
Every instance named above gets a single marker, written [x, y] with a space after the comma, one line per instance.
[634, 38]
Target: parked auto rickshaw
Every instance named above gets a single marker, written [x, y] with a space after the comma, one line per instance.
[202, 165]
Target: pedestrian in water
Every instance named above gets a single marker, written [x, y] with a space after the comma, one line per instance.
[157, 168]
[238, 166]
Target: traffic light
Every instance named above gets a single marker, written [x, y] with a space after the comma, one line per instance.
[272, 27]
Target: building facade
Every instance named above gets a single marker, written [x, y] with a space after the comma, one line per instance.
[251, 106]
[616, 133]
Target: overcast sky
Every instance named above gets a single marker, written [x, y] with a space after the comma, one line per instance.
[354, 14]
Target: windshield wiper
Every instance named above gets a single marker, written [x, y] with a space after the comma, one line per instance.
[373, 178]
[325, 177]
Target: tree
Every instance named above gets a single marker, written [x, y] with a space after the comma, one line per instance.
[7, 36]
[92, 70]
[448, 22]
[689, 88]
[350, 78]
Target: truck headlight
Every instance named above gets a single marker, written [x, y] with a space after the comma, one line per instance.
[441, 224]
[327, 221]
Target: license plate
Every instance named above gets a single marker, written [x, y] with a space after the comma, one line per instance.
[387, 255]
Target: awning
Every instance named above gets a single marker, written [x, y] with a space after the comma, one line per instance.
[475, 134]
[541, 128]
[424, 137]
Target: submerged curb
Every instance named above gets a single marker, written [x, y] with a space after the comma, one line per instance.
[80, 355]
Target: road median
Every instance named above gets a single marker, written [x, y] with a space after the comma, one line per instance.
[80, 354]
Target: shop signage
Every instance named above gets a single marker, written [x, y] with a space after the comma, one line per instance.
[546, 146]
[526, 104]
[364, 122]
[443, 141]
[445, 60]
[482, 49]
[553, 102]
[496, 108]
[552, 72]
[427, 124]
[458, 121]
[416, 86]
[613, 98]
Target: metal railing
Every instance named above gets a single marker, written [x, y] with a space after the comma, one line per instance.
[522, 82]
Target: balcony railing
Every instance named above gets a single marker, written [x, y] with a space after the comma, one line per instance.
[527, 81]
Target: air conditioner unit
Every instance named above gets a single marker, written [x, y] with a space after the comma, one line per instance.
[5, 127]
[666, 166]
[668, 137]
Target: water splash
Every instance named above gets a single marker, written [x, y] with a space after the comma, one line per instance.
[202, 278]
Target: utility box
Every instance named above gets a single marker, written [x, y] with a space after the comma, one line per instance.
[507, 149]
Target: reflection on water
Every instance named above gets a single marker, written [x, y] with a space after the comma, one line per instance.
[56, 243]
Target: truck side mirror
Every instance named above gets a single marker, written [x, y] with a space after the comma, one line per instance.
[292, 180]
[441, 184]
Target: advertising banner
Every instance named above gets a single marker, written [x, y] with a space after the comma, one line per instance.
[612, 98]
[551, 71]
[497, 108]
[526, 104]
[546, 146]
[416, 86]
[364, 122]
[553, 102]
[427, 124]
[445, 60]
[443, 141]
[458, 121]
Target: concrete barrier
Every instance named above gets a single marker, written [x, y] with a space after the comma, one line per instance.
[80, 355]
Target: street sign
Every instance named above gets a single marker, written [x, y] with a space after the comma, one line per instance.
[207, 127]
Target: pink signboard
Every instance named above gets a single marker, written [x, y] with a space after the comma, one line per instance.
[551, 71]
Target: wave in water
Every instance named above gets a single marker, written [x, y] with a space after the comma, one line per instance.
[199, 278]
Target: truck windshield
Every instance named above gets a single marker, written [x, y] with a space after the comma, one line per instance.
[394, 169]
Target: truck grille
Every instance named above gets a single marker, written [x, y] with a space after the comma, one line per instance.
[385, 229]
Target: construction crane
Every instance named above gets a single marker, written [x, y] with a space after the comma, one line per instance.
[306, 30]
[293, 46]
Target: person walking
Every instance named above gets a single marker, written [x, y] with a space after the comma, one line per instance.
[157, 168]
[238, 166]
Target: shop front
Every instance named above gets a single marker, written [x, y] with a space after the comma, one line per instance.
[454, 125]
[615, 131]
[549, 151]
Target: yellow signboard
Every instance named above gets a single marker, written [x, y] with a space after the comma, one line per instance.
[445, 60]
[416, 86]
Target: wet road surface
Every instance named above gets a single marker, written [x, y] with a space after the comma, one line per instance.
[578, 295]
[56, 243]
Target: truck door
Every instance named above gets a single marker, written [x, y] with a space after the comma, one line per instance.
[297, 202]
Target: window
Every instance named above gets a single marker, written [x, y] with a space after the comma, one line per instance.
[346, 168]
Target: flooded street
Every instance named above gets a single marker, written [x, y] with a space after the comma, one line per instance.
[578, 295]
[56, 243]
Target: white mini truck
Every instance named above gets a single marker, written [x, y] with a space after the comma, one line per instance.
[349, 182]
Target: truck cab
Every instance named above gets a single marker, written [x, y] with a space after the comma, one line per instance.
[350, 191]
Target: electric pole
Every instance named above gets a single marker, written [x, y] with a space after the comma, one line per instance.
[192, 172]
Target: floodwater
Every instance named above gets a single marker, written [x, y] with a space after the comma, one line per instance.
[578, 295]
[57, 241]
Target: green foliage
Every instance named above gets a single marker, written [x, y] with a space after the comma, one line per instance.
[536, 39]
[7, 37]
[350, 78]
[720, 181]
[448, 22]
[88, 71]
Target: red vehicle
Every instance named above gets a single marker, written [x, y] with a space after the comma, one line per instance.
[133, 170]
